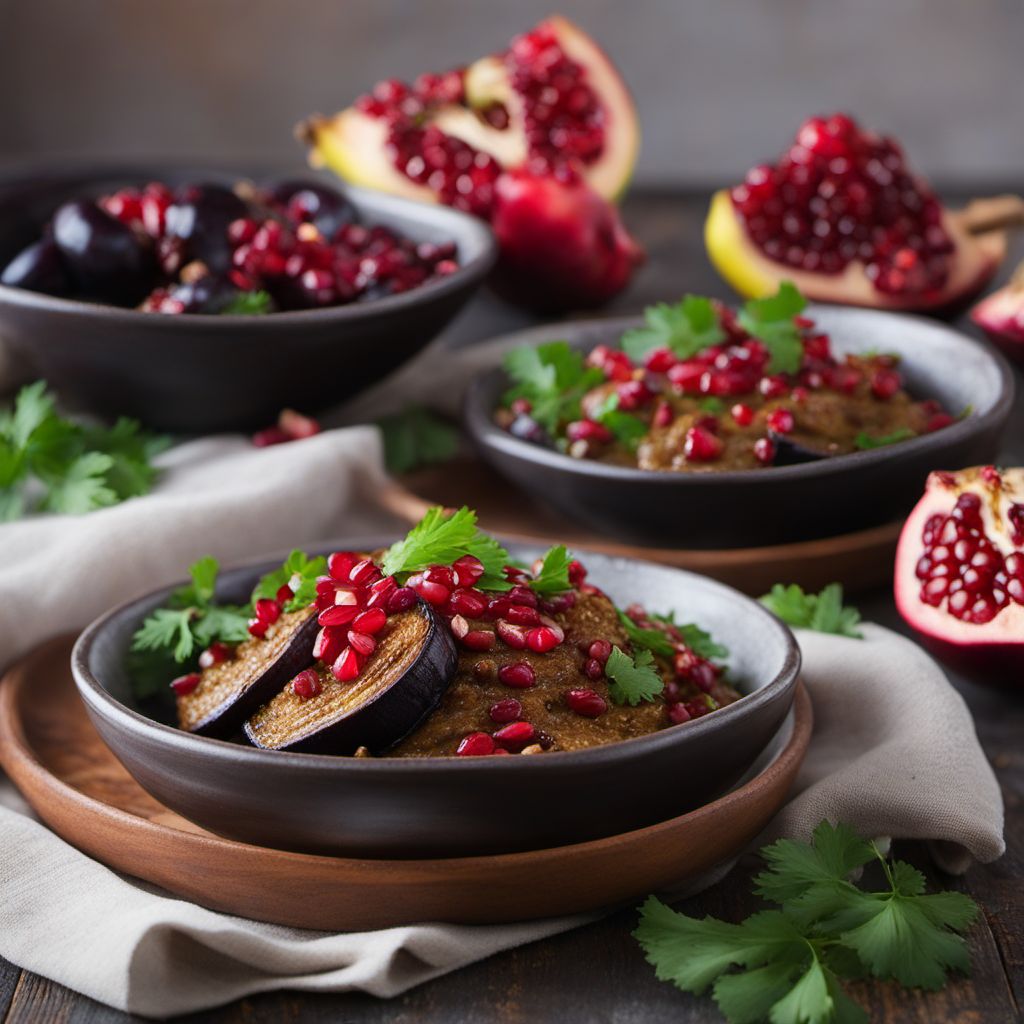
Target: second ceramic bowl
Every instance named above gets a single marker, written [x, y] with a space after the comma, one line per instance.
[766, 506]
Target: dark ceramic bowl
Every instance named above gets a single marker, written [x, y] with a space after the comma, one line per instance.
[453, 806]
[747, 508]
[201, 373]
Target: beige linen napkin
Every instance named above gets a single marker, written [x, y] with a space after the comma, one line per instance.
[894, 751]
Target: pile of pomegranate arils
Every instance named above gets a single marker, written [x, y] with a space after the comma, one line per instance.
[301, 243]
[355, 600]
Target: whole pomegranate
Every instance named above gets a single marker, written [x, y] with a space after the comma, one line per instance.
[561, 244]
[959, 578]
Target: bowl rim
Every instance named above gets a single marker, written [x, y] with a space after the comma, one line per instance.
[99, 700]
[484, 432]
[465, 230]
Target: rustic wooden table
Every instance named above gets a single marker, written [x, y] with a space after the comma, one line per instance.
[597, 973]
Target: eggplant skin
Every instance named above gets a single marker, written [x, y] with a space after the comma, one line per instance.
[790, 453]
[296, 655]
[394, 710]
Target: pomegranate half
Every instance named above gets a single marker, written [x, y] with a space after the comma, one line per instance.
[843, 217]
[553, 97]
[959, 579]
[1001, 316]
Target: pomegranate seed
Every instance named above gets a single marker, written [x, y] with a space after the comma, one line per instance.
[459, 626]
[297, 426]
[515, 735]
[216, 653]
[440, 574]
[507, 710]
[662, 415]
[587, 703]
[184, 685]
[362, 643]
[742, 414]
[661, 360]
[471, 603]
[346, 666]
[701, 445]
[542, 639]
[577, 574]
[306, 684]
[267, 610]
[478, 640]
[348, 595]
[513, 636]
[519, 675]
[600, 650]
[781, 421]
[593, 669]
[469, 569]
[284, 594]
[401, 600]
[328, 645]
[522, 615]
[885, 383]
[588, 430]
[257, 628]
[364, 572]
[764, 450]
[371, 621]
[773, 387]
[433, 593]
[678, 714]
[476, 744]
[339, 565]
[338, 615]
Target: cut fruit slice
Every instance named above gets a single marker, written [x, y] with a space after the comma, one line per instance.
[842, 217]
[400, 683]
[1001, 316]
[552, 98]
[230, 691]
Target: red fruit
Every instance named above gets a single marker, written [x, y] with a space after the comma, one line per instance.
[513, 636]
[468, 569]
[371, 621]
[216, 653]
[1001, 316]
[959, 578]
[844, 218]
[561, 245]
[507, 710]
[362, 643]
[516, 735]
[338, 614]
[267, 610]
[433, 593]
[340, 563]
[588, 430]
[478, 640]
[329, 643]
[401, 600]
[701, 445]
[184, 685]
[306, 684]
[677, 714]
[346, 667]
[587, 703]
[764, 450]
[885, 383]
[742, 414]
[780, 420]
[600, 650]
[364, 573]
[519, 675]
[257, 628]
[476, 744]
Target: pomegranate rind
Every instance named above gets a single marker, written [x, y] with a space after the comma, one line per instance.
[353, 144]
[754, 275]
[1001, 316]
[992, 653]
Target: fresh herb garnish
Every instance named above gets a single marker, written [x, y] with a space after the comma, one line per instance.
[300, 573]
[248, 304]
[654, 640]
[48, 463]
[632, 679]
[786, 965]
[711, 404]
[417, 437]
[191, 621]
[770, 320]
[865, 441]
[553, 577]
[441, 537]
[698, 640]
[627, 428]
[685, 328]
[822, 612]
[553, 377]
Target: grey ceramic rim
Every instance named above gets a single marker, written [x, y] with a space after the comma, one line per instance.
[485, 432]
[472, 235]
[101, 701]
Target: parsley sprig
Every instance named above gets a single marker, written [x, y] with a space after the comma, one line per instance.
[770, 320]
[865, 441]
[553, 377]
[300, 573]
[824, 612]
[786, 965]
[249, 304]
[627, 428]
[686, 327]
[553, 576]
[632, 680]
[51, 464]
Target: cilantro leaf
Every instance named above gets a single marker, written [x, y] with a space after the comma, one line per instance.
[698, 640]
[167, 628]
[248, 304]
[299, 572]
[632, 679]
[824, 612]
[131, 473]
[770, 320]
[654, 640]
[227, 623]
[553, 577]
[416, 437]
[554, 377]
[626, 428]
[686, 328]
[441, 537]
[83, 486]
[865, 442]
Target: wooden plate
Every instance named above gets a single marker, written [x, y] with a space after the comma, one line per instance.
[77, 787]
[859, 561]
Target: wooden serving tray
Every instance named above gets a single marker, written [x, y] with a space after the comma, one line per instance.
[859, 561]
[77, 787]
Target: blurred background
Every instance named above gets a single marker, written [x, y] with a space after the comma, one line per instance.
[719, 83]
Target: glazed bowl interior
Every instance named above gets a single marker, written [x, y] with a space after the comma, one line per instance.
[201, 373]
[452, 806]
[743, 508]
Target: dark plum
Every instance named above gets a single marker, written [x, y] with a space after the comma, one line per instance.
[105, 258]
[199, 217]
[38, 268]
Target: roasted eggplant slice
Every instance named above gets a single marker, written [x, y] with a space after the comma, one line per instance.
[230, 691]
[401, 682]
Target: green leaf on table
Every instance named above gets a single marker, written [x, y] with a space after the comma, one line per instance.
[824, 612]
[417, 437]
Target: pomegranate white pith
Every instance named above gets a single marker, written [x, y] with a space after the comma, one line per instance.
[959, 578]
[1001, 316]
